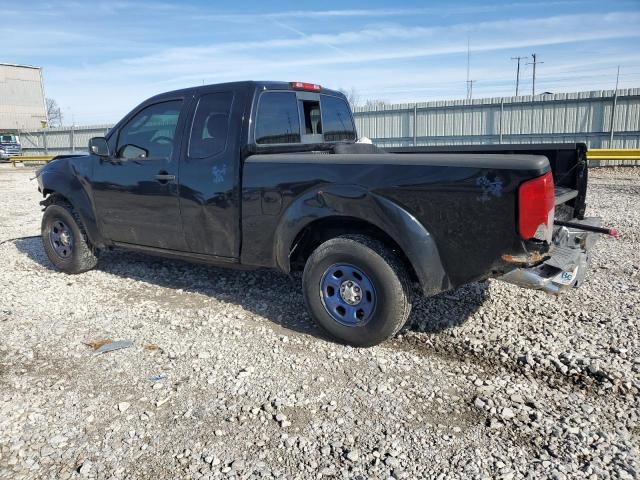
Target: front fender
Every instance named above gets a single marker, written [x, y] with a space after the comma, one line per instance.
[356, 202]
[60, 177]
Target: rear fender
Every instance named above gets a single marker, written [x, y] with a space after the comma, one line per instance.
[356, 202]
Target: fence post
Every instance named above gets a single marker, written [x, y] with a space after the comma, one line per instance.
[72, 139]
[501, 115]
[415, 124]
[44, 142]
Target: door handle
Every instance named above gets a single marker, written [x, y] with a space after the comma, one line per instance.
[164, 178]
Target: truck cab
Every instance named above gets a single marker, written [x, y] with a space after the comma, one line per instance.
[176, 160]
[10, 145]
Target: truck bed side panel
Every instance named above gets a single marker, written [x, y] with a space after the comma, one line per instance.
[466, 202]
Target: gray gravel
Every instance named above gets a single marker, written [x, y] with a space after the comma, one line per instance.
[228, 377]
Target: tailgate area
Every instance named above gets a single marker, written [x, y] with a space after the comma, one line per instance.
[567, 265]
[563, 195]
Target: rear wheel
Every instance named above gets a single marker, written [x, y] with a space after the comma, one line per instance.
[357, 289]
[65, 240]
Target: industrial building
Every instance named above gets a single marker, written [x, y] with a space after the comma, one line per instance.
[22, 102]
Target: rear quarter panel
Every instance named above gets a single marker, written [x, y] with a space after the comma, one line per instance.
[466, 202]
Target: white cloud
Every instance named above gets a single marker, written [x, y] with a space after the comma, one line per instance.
[234, 59]
[391, 60]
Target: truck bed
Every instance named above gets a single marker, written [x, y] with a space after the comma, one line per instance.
[568, 163]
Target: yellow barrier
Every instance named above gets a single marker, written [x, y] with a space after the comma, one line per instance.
[613, 154]
[601, 154]
[32, 158]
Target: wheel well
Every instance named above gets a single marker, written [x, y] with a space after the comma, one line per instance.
[52, 197]
[323, 229]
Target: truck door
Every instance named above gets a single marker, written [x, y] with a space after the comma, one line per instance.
[209, 174]
[136, 190]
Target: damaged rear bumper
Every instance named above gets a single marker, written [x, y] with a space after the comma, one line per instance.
[565, 267]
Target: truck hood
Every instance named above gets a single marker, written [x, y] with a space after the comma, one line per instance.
[72, 155]
[60, 163]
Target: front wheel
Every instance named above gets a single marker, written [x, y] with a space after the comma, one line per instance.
[65, 241]
[357, 289]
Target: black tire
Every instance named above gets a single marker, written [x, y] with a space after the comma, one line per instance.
[80, 256]
[385, 271]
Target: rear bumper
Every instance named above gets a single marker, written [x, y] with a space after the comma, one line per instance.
[567, 265]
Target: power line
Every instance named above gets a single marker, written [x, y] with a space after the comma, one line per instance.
[534, 63]
[517, 72]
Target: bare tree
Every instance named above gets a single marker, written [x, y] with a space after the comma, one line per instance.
[353, 97]
[355, 100]
[54, 113]
[375, 103]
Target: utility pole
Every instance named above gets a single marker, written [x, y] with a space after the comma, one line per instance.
[613, 109]
[517, 72]
[469, 81]
[534, 63]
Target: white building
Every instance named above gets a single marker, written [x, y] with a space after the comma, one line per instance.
[22, 103]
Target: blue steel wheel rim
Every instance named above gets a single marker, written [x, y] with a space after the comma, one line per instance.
[348, 295]
[61, 239]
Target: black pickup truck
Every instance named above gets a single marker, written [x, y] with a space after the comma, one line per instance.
[269, 174]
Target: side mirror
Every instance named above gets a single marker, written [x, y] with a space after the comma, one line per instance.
[131, 151]
[98, 146]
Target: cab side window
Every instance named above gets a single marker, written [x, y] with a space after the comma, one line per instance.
[151, 132]
[210, 125]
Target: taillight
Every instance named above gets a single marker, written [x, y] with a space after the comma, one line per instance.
[535, 208]
[310, 87]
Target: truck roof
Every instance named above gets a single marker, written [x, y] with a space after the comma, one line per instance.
[248, 84]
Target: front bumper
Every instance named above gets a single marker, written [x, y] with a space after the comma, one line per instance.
[565, 267]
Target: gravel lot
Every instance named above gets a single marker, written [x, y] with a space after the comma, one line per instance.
[490, 381]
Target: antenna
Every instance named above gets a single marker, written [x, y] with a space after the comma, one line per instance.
[534, 63]
[517, 72]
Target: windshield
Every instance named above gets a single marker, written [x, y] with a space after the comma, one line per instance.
[8, 138]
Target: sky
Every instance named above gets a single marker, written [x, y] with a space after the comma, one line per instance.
[101, 58]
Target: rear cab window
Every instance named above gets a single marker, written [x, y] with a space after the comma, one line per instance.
[286, 117]
[277, 119]
[337, 123]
